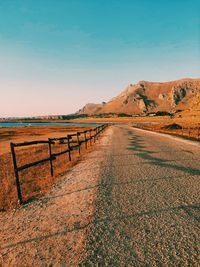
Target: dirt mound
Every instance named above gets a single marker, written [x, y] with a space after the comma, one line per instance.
[173, 126]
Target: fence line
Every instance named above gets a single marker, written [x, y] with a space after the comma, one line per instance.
[71, 144]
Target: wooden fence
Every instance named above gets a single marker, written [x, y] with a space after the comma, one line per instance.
[72, 142]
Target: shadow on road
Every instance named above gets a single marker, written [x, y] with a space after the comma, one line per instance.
[137, 145]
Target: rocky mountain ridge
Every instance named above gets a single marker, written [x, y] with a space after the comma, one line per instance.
[149, 97]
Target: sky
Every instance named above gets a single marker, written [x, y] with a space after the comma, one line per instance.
[58, 55]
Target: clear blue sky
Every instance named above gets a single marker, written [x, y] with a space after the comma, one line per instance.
[57, 55]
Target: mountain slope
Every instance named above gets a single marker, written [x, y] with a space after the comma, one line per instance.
[145, 97]
[90, 108]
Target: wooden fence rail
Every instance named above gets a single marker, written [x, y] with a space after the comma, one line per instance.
[71, 142]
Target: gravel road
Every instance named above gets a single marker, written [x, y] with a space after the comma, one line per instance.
[132, 202]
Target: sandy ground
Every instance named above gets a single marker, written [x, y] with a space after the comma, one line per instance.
[133, 202]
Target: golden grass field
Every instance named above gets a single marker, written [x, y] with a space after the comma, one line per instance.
[187, 119]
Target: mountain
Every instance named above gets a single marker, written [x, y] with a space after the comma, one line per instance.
[91, 108]
[149, 97]
[193, 110]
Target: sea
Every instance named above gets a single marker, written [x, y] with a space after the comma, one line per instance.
[29, 124]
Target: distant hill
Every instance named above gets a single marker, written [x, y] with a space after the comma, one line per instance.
[149, 97]
[91, 108]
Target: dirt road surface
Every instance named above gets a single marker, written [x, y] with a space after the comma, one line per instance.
[132, 202]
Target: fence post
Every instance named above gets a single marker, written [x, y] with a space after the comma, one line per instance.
[90, 137]
[85, 132]
[96, 130]
[19, 194]
[69, 147]
[79, 145]
[94, 136]
[50, 155]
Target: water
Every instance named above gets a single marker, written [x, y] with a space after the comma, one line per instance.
[28, 124]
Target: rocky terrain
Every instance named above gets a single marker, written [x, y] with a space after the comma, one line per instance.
[149, 97]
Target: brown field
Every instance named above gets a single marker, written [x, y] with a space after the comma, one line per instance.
[35, 181]
[188, 120]
[185, 118]
[23, 134]
[187, 131]
[161, 119]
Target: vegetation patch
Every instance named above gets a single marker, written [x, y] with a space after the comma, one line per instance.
[173, 126]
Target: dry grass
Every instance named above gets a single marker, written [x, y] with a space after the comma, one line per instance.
[22, 134]
[37, 180]
[192, 118]
[124, 119]
[189, 121]
[189, 131]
